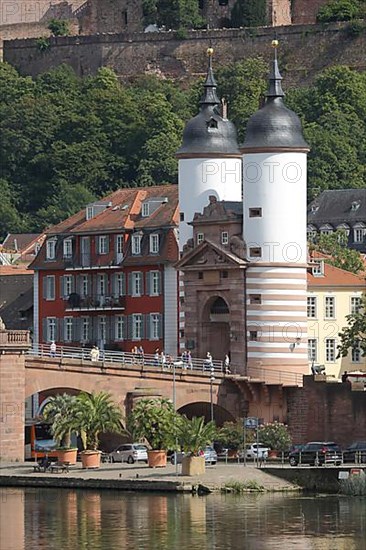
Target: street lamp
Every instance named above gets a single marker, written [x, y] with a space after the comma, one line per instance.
[175, 364]
[212, 380]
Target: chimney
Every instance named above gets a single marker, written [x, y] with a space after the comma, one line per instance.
[224, 108]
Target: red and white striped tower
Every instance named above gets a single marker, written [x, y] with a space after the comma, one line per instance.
[274, 229]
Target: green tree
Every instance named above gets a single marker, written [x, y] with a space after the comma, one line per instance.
[341, 10]
[335, 246]
[96, 413]
[249, 13]
[354, 334]
[59, 27]
[60, 414]
[275, 435]
[194, 434]
[177, 14]
[231, 435]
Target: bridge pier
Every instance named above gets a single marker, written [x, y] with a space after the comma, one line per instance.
[13, 344]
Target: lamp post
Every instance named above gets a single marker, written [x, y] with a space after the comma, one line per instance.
[212, 379]
[175, 364]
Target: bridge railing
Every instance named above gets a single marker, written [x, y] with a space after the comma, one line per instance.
[126, 358]
[275, 376]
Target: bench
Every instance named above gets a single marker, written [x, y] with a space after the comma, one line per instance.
[62, 467]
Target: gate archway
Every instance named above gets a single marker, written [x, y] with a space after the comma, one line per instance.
[216, 327]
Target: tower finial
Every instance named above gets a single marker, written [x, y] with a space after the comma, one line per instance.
[210, 96]
[275, 78]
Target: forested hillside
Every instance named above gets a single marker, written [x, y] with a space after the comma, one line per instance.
[66, 140]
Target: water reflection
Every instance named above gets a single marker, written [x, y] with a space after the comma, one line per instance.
[68, 519]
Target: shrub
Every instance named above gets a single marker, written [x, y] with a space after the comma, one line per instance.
[59, 27]
[275, 435]
[43, 44]
[339, 10]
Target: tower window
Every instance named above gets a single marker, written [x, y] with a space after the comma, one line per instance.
[253, 335]
[181, 216]
[255, 252]
[200, 237]
[224, 237]
[224, 274]
[255, 212]
[255, 299]
[212, 124]
[200, 274]
[125, 17]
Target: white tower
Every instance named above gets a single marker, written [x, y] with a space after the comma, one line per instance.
[209, 159]
[274, 229]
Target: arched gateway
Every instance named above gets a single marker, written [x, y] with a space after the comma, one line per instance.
[215, 323]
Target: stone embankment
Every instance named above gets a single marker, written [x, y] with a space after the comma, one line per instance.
[141, 478]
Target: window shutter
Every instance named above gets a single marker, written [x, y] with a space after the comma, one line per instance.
[148, 326]
[57, 330]
[107, 330]
[143, 321]
[72, 283]
[76, 336]
[160, 326]
[148, 285]
[123, 284]
[107, 244]
[124, 331]
[130, 284]
[62, 287]
[159, 282]
[53, 290]
[112, 329]
[44, 284]
[130, 328]
[114, 284]
[142, 283]
[44, 330]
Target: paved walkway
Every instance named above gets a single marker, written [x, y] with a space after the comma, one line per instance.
[214, 478]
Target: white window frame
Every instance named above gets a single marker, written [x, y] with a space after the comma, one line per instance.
[358, 234]
[102, 328]
[68, 284]
[102, 284]
[84, 287]
[330, 350]
[311, 307]
[119, 327]
[224, 237]
[89, 212]
[145, 210]
[120, 284]
[312, 350]
[51, 329]
[119, 244]
[136, 282]
[102, 245]
[85, 329]
[67, 249]
[329, 307]
[68, 326]
[200, 238]
[137, 320]
[356, 354]
[50, 249]
[136, 244]
[50, 287]
[154, 283]
[356, 303]
[155, 326]
[154, 243]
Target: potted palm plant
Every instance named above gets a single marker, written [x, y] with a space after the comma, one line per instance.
[60, 413]
[156, 421]
[194, 435]
[96, 413]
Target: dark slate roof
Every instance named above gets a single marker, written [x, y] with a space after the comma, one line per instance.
[18, 241]
[274, 126]
[335, 207]
[208, 132]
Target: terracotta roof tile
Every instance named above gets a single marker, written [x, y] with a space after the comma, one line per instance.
[334, 276]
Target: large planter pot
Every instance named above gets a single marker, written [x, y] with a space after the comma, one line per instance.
[67, 455]
[193, 465]
[157, 459]
[90, 459]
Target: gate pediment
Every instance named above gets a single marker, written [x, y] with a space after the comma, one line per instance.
[210, 255]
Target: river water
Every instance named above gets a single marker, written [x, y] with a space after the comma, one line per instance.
[67, 519]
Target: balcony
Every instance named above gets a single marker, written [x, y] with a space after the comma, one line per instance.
[95, 302]
[92, 261]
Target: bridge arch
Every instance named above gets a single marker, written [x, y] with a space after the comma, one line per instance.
[203, 408]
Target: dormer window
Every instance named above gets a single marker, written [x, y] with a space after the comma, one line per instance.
[314, 208]
[355, 205]
[311, 233]
[359, 232]
[89, 212]
[212, 124]
[145, 211]
[154, 243]
[67, 249]
[51, 249]
[326, 229]
[318, 269]
[136, 244]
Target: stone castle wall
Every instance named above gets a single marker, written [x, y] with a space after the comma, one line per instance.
[305, 11]
[304, 51]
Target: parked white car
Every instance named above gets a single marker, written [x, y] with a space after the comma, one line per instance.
[254, 451]
[130, 453]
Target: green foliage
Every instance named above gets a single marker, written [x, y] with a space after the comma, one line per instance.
[60, 414]
[231, 435]
[275, 435]
[240, 487]
[354, 486]
[335, 245]
[173, 14]
[249, 13]
[43, 44]
[156, 421]
[194, 434]
[59, 27]
[96, 413]
[341, 10]
[355, 28]
[354, 334]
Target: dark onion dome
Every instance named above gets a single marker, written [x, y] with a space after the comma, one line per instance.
[274, 126]
[209, 133]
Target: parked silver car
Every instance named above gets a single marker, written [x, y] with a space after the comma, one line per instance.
[130, 453]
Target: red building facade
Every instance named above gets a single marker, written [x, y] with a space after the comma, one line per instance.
[105, 276]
